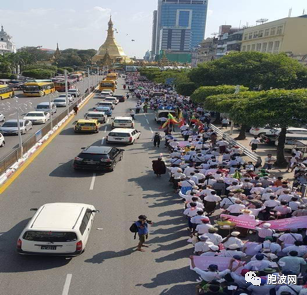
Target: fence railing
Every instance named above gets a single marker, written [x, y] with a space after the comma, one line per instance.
[253, 156]
[8, 160]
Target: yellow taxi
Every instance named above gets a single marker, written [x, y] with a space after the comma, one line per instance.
[86, 126]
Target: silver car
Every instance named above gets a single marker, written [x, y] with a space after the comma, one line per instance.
[11, 127]
[2, 117]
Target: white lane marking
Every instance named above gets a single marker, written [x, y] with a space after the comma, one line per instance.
[67, 284]
[93, 182]
[151, 130]
[108, 120]
[105, 129]
[10, 115]
[102, 141]
[147, 121]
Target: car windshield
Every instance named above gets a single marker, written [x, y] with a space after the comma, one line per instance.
[60, 100]
[31, 88]
[118, 134]
[86, 124]
[43, 107]
[165, 114]
[72, 90]
[95, 157]
[49, 236]
[11, 124]
[34, 115]
[94, 115]
[63, 95]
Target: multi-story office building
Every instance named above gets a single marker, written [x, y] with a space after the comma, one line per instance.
[184, 18]
[154, 33]
[284, 35]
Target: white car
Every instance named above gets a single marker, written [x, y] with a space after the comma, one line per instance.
[74, 92]
[266, 130]
[11, 127]
[112, 99]
[37, 117]
[105, 93]
[122, 135]
[2, 140]
[122, 122]
[105, 103]
[69, 97]
[60, 102]
[2, 117]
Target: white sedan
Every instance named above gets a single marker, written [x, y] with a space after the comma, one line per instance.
[266, 130]
[37, 117]
[69, 97]
[2, 140]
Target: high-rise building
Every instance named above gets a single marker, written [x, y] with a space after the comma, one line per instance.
[180, 25]
[154, 32]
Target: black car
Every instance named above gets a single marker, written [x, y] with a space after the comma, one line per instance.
[120, 97]
[98, 158]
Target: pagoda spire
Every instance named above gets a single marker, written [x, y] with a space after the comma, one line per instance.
[110, 29]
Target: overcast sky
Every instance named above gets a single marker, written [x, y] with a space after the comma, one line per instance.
[83, 24]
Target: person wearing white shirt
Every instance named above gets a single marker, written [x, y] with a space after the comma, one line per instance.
[210, 201]
[233, 239]
[203, 245]
[286, 196]
[258, 264]
[188, 170]
[204, 227]
[288, 239]
[215, 238]
[294, 204]
[257, 189]
[231, 251]
[214, 251]
[191, 211]
[236, 208]
[268, 245]
[227, 201]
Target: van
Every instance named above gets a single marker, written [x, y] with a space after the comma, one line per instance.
[59, 229]
[105, 103]
[45, 106]
[163, 114]
[126, 136]
[293, 140]
[122, 122]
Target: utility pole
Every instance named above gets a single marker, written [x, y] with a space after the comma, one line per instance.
[89, 82]
[50, 110]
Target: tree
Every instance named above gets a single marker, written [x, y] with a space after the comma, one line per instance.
[234, 105]
[39, 73]
[252, 69]
[186, 88]
[278, 108]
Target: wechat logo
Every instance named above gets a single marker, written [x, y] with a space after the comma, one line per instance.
[251, 277]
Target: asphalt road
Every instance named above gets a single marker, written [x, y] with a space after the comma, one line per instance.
[110, 265]
[26, 104]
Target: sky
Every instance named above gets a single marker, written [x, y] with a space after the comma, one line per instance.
[83, 24]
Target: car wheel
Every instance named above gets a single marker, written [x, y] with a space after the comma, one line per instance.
[3, 144]
[261, 134]
[1, 98]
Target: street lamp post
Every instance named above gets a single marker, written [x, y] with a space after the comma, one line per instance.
[19, 134]
[50, 110]
[66, 90]
[89, 82]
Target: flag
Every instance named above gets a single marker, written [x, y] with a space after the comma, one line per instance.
[166, 123]
[172, 119]
[181, 119]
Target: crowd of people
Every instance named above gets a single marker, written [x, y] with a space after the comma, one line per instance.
[232, 206]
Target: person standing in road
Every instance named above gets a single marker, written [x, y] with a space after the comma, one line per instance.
[142, 225]
[132, 113]
[254, 143]
[159, 167]
[157, 139]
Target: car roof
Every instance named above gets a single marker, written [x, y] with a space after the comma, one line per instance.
[102, 150]
[123, 118]
[57, 216]
[36, 112]
[289, 135]
[14, 120]
[124, 130]
[61, 98]
[103, 107]
[44, 103]
[87, 121]
[296, 128]
[92, 112]
[104, 101]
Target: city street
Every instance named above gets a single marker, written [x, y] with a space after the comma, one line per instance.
[26, 104]
[110, 265]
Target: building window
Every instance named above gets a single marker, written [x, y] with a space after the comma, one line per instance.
[266, 32]
[260, 34]
[253, 47]
[270, 47]
[276, 46]
[258, 48]
[250, 36]
[183, 18]
[273, 31]
[255, 34]
[244, 48]
[279, 30]
[248, 48]
[264, 47]
[245, 37]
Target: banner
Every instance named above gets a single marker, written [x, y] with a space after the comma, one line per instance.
[280, 224]
[202, 262]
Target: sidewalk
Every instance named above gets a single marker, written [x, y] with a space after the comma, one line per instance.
[262, 151]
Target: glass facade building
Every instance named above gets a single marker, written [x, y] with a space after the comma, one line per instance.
[187, 15]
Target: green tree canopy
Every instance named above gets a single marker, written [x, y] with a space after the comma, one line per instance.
[200, 94]
[251, 69]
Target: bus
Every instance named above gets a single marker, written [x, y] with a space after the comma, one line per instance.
[107, 85]
[6, 92]
[60, 85]
[38, 88]
[112, 76]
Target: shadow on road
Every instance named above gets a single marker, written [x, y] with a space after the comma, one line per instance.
[12, 262]
[180, 290]
[101, 257]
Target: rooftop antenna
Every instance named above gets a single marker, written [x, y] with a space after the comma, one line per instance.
[261, 21]
[290, 12]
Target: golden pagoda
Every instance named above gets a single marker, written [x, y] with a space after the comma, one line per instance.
[110, 49]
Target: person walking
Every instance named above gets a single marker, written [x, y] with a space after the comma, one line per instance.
[157, 139]
[76, 109]
[159, 167]
[254, 143]
[132, 113]
[142, 225]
